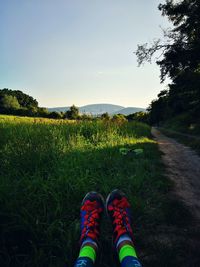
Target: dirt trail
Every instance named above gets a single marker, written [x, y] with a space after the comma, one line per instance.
[183, 167]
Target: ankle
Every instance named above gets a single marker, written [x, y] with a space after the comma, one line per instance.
[88, 251]
[123, 243]
[124, 239]
[126, 251]
[89, 242]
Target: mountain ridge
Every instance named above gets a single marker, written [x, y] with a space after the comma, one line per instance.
[98, 109]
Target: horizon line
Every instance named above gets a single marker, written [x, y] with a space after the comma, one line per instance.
[96, 104]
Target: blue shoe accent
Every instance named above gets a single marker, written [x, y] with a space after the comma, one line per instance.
[130, 261]
[84, 262]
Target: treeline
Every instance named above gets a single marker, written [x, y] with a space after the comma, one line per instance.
[180, 61]
[15, 102]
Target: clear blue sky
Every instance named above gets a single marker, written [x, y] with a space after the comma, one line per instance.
[65, 52]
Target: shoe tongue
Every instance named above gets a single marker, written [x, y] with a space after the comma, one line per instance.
[90, 205]
[121, 203]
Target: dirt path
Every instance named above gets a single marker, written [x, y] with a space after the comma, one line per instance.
[183, 167]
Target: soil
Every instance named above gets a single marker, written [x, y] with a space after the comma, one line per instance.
[183, 168]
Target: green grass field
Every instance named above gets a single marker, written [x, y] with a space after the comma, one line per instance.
[46, 168]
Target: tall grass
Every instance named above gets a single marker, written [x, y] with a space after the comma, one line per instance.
[47, 168]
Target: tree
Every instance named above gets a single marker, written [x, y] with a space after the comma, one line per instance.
[140, 116]
[105, 116]
[24, 100]
[72, 113]
[179, 57]
[42, 112]
[9, 102]
[86, 117]
[120, 118]
[55, 115]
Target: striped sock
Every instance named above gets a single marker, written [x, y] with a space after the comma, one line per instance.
[126, 251]
[128, 257]
[87, 254]
[123, 238]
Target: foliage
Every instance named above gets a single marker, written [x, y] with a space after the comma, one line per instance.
[184, 123]
[43, 111]
[24, 100]
[86, 117]
[17, 103]
[55, 115]
[105, 116]
[180, 60]
[72, 113]
[9, 102]
[139, 116]
[119, 118]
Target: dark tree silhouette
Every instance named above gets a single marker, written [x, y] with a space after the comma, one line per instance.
[179, 58]
[24, 100]
[72, 113]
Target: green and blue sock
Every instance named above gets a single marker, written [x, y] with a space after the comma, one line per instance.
[126, 252]
[87, 254]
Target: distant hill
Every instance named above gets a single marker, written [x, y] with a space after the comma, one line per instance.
[98, 109]
[58, 109]
[129, 110]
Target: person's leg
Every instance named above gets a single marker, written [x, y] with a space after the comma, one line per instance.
[118, 209]
[91, 212]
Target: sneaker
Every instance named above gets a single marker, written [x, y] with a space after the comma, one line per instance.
[118, 209]
[91, 212]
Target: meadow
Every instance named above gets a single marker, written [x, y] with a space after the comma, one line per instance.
[46, 168]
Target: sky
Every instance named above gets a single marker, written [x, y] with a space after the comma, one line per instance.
[79, 52]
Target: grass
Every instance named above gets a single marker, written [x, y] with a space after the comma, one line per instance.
[181, 126]
[187, 123]
[189, 141]
[31, 120]
[46, 169]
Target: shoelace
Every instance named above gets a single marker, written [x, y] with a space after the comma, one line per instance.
[120, 215]
[91, 218]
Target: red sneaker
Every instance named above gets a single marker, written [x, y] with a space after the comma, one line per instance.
[91, 211]
[118, 209]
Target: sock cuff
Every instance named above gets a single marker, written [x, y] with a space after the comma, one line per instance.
[89, 240]
[89, 252]
[127, 250]
[123, 238]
